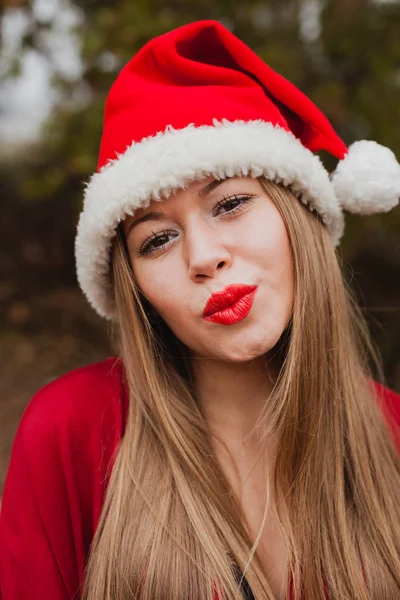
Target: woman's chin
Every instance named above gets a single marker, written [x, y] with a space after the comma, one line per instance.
[249, 347]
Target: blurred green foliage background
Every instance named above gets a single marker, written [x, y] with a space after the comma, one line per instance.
[344, 54]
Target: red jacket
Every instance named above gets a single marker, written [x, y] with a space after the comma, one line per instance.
[57, 477]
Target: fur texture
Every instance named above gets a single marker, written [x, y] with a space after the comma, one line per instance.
[367, 180]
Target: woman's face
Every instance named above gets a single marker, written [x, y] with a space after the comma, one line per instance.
[210, 235]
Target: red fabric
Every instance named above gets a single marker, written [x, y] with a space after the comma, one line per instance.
[63, 450]
[200, 72]
[56, 482]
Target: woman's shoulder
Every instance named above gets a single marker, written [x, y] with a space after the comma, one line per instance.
[388, 393]
[79, 400]
[73, 425]
[389, 402]
[387, 397]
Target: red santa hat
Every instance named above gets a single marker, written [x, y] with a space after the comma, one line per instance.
[197, 102]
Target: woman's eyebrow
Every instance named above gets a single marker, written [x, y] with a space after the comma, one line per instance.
[154, 215]
[207, 189]
[157, 214]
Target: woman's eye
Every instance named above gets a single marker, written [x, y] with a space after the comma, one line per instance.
[152, 244]
[158, 242]
[234, 203]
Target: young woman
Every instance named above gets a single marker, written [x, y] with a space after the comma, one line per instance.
[237, 446]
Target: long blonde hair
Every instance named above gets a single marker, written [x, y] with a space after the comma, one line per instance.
[170, 527]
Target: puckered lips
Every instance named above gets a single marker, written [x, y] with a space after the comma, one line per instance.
[226, 297]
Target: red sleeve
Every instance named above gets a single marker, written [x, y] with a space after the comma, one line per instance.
[56, 481]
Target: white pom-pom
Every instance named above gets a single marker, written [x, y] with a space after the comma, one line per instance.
[367, 180]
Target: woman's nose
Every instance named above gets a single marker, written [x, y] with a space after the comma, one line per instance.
[206, 250]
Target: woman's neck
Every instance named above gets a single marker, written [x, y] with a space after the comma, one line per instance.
[231, 397]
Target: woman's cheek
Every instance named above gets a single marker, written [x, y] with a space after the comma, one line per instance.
[169, 302]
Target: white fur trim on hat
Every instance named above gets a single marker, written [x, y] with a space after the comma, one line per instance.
[159, 165]
[367, 180]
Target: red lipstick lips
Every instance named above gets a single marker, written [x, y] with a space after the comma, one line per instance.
[230, 305]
